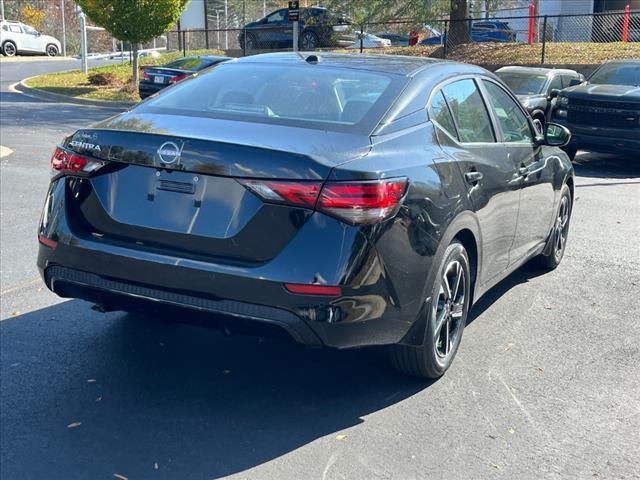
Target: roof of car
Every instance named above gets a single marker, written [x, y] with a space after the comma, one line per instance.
[396, 64]
[535, 70]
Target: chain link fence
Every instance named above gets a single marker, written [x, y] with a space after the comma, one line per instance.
[523, 39]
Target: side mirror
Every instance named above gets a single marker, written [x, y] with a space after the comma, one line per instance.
[556, 135]
[574, 82]
[554, 93]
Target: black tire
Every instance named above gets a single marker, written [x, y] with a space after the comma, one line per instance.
[557, 242]
[51, 50]
[445, 322]
[9, 49]
[309, 41]
[571, 152]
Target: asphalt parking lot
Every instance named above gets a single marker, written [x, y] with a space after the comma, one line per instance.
[545, 384]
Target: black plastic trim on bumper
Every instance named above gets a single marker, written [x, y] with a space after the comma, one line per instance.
[294, 325]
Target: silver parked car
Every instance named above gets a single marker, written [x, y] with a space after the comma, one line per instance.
[16, 37]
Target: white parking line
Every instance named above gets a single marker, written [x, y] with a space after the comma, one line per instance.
[5, 151]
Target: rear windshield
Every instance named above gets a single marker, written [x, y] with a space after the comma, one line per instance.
[523, 84]
[309, 96]
[617, 74]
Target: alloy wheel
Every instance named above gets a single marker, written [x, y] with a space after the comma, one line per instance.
[449, 310]
[309, 41]
[561, 227]
[9, 49]
[52, 51]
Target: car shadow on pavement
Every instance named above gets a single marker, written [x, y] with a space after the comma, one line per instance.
[522, 275]
[89, 395]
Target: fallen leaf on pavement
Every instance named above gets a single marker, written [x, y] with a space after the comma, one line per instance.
[340, 437]
[74, 424]
[15, 314]
[121, 477]
[98, 398]
[511, 430]
[155, 465]
[91, 380]
[495, 466]
[226, 372]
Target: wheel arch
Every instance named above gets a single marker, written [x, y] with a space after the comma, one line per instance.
[464, 228]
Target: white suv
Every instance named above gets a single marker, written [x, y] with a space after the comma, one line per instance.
[16, 37]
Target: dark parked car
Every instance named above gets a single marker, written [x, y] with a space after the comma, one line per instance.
[318, 28]
[155, 79]
[316, 195]
[536, 88]
[604, 113]
[396, 39]
[482, 31]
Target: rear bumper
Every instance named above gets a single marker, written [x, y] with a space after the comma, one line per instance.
[146, 89]
[367, 313]
[601, 139]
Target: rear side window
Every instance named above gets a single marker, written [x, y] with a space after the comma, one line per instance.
[441, 114]
[15, 28]
[469, 112]
[513, 123]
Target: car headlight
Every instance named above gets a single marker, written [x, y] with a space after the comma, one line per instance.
[561, 113]
[564, 101]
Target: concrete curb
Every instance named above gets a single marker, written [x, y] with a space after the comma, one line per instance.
[22, 87]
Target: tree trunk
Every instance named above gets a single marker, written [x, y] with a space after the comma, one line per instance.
[458, 28]
[136, 72]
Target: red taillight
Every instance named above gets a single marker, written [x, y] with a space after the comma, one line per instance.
[67, 161]
[362, 202]
[354, 202]
[47, 242]
[303, 194]
[145, 75]
[177, 78]
[305, 289]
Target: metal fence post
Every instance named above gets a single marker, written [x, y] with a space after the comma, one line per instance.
[445, 39]
[361, 37]
[244, 42]
[184, 43]
[544, 38]
[625, 24]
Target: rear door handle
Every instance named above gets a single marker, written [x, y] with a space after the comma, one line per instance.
[473, 177]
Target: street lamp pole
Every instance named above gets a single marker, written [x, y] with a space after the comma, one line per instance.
[226, 25]
[83, 42]
[64, 30]
[2, 9]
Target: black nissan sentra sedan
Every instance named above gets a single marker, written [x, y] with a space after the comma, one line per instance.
[347, 200]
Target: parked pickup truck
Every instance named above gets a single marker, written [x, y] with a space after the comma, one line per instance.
[603, 113]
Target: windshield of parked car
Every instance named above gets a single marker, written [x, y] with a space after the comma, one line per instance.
[617, 74]
[306, 95]
[190, 63]
[523, 84]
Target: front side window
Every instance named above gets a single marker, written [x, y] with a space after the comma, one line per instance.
[29, 30]
[276, 17]
[513, 122]
[469, 112]
[556, 83]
